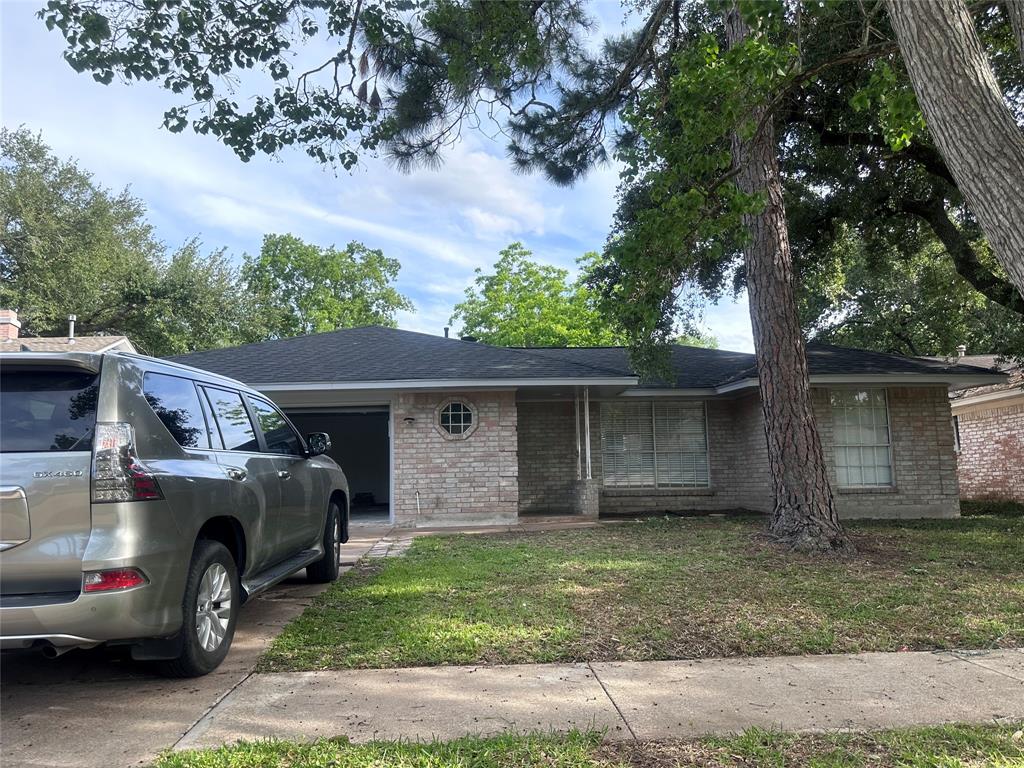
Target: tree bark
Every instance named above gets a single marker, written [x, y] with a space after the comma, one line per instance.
[1015, 10]
[804, 515]
[970, 122]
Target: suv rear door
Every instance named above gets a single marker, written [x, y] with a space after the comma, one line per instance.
[257, 488]
[47, 420]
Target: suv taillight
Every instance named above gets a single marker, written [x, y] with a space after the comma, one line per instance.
[117, 474]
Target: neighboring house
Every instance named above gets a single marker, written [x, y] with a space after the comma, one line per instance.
[989, 425]
[12, 341]
[434, 431]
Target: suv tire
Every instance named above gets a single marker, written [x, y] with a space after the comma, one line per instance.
[210, 609]
[326, 569]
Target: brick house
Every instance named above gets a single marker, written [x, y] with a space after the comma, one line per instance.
[434, 431]
[11, 339]
[989, 429]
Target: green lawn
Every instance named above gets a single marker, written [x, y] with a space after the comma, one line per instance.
[944, 747]
[663, 589]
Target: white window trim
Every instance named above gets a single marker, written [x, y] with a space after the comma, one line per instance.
[836, 446]
[654, 453]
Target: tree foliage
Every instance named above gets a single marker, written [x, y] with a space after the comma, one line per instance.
[299, 288]
[70, 246]
[906, 303]
[527, 304]
[405, 78]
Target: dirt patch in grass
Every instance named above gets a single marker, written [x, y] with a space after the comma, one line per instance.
[667, 589]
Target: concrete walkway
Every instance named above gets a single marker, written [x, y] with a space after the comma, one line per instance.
[92, 709]
[637, 700]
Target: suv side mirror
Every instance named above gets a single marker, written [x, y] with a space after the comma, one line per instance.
[318, 442]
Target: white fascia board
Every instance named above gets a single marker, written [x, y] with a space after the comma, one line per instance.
[987, 397]
[443, 384]
[854, 379]
[848, 379]
[960, 379]
[670, 392]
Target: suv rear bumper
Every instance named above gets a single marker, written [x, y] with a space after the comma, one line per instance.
[91, 619]
[14, 642]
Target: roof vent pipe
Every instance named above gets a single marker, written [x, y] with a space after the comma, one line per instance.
[961, 350]
[71, 328]
[446, 331]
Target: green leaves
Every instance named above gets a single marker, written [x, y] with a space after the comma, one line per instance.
[527, 304]
[899, 114]
[60, 223]
[300, 288]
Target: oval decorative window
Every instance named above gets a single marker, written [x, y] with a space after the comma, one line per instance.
[456, 418]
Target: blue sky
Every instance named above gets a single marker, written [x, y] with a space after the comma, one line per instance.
[440, 223]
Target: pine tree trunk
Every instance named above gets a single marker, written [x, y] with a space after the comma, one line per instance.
[968, 119]
[1015, 8]
[804, 515]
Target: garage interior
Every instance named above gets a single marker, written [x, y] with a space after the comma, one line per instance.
[360, 443]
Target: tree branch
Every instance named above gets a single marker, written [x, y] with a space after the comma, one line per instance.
[965, 259]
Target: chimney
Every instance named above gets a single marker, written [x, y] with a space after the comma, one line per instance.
[9, 324]
[446, 331]
[961, 350]
[71, 328]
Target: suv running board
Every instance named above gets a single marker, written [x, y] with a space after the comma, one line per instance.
[277, 573]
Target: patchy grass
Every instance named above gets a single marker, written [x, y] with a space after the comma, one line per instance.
[666, 589]
[954, 746]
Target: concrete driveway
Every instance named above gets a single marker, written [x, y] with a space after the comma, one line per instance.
[93, 708]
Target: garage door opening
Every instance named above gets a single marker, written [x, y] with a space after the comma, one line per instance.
[360, 443]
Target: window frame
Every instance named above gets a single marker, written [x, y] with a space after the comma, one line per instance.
[836, 444]
[248, 398]
[465, 403]
[657, 483]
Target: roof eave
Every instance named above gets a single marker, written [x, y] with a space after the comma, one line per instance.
[848, 379]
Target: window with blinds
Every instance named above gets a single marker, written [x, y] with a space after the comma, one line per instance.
[654, 444]
[862, 444]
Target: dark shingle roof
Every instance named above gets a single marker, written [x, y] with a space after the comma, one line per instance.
[381, 354]
[373, 353]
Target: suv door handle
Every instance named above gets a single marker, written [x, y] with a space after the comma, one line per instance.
[284, 474]
[235, 473]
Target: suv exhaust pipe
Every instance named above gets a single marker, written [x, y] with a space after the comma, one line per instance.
[53, 651]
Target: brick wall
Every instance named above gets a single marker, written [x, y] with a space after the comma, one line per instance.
[924, 464]
[991, 461]
[547, 450]
[471, 481]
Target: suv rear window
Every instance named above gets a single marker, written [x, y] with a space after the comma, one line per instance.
[176, 401]
[47, 410]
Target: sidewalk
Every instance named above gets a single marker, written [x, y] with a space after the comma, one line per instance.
[632, 700]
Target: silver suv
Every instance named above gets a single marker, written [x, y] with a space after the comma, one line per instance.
[143, 502]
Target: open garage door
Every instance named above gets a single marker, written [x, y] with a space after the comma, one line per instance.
[361, 444]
